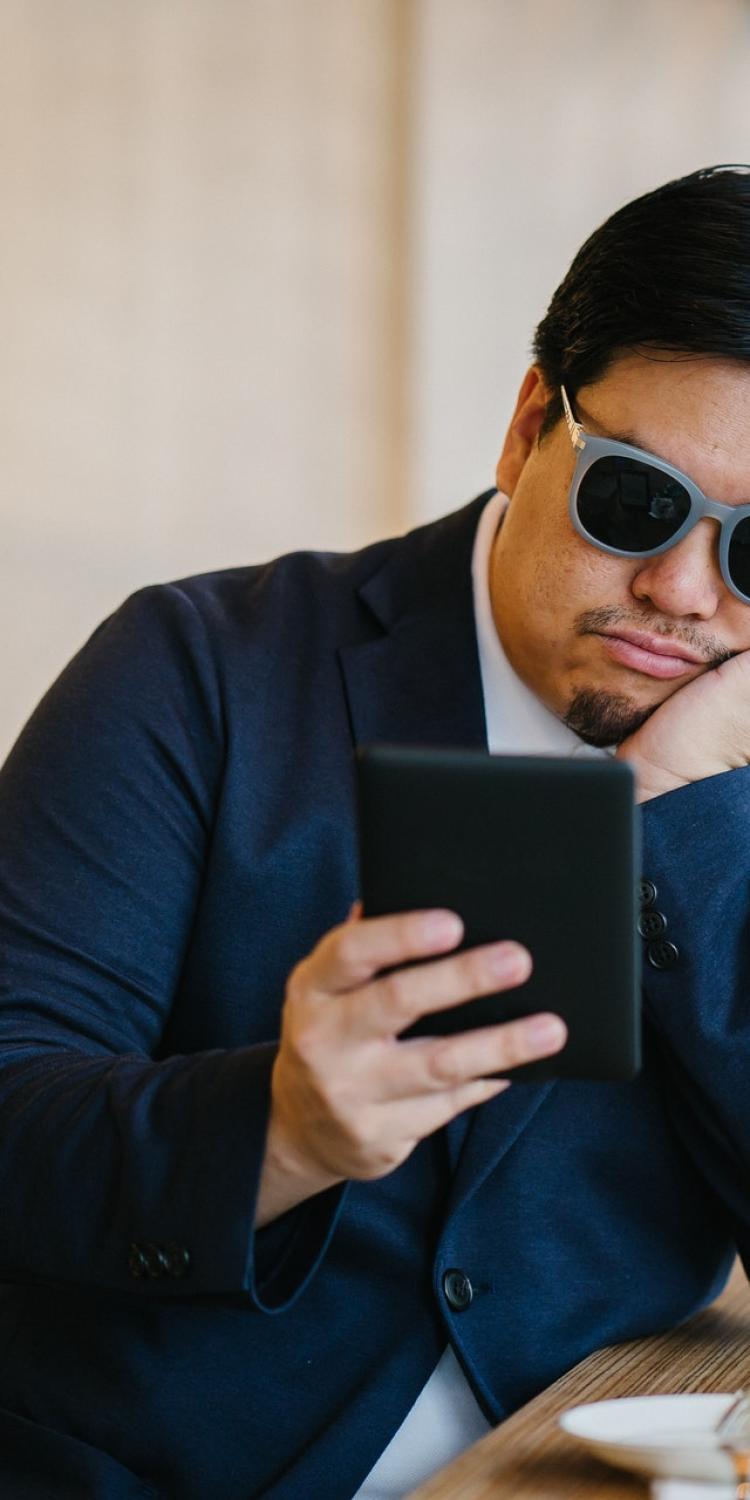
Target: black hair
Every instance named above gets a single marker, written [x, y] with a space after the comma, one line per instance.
[669, 271]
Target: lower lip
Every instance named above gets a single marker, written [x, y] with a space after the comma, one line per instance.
[645, 661]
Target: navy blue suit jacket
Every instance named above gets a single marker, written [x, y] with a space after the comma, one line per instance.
[176, 831]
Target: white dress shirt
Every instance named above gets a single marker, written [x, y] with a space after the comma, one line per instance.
[445, 1418]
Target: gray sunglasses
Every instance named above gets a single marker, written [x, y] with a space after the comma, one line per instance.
[631, 504]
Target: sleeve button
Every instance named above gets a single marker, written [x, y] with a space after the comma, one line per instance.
[646, 892]
[661, 954]
[137, 1264]
[651, 923]
[156, 1261]
[178, 1259]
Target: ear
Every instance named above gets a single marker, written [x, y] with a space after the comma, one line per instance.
[523, 431]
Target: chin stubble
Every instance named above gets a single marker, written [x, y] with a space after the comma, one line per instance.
[602, 718]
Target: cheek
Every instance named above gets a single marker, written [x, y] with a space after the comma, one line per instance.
[737, 633]
[557, 573]
[570, 576]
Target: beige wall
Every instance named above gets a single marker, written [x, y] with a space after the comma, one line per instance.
[531, 124]
[199, 301]
[270, 267]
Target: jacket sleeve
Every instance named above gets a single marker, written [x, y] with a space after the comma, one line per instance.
[696, 852]
[119, 1171]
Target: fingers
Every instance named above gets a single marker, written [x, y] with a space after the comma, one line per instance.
[445, 1065]
[341, 1063]
[388, 1134]
[431, 1111]
[352, 954]
[390, 1004]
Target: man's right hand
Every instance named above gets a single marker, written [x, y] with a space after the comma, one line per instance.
[349, 1100]
[701, 730]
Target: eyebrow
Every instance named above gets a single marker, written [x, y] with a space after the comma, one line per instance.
[626, 436]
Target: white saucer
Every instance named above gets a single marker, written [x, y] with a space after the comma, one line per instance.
[655, 1435]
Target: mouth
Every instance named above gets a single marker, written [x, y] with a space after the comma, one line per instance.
[652, 655]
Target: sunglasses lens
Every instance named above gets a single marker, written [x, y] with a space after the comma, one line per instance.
[630, 505]
[739, 556]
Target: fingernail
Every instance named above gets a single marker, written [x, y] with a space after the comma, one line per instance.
[547, 1031]
[509, 961]
[443, 927]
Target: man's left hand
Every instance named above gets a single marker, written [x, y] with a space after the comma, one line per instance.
[703, 729]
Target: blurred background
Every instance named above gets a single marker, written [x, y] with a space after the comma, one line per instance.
[270, 268]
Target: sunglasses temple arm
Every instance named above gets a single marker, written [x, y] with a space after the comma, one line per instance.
[574, 428]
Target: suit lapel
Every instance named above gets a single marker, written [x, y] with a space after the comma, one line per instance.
[418, 686]
[478, 1141]
[418, 682]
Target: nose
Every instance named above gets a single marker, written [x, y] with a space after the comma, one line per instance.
[686, 579]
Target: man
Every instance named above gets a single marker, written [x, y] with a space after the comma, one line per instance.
[252, 1244]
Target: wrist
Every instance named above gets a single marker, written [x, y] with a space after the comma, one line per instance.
[288, 1176]
[650, 780]
[648, 787]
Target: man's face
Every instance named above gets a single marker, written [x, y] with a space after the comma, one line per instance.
[558, 601]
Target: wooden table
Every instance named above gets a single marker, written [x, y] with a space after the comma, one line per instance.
[529, 1458]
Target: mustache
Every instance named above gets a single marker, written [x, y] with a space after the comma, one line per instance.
[609, 616]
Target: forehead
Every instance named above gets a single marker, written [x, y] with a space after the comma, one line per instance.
[694, 412]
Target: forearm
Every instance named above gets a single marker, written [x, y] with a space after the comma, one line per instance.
[101, 1153]
[695, 851]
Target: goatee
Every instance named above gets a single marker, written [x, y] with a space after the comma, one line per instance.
[602, 718]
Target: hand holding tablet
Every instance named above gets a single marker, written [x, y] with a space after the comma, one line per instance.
[537, 849]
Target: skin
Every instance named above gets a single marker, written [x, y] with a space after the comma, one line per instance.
[348, 1098]
[547, 583]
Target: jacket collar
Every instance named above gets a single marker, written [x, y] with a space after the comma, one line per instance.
[418, 682]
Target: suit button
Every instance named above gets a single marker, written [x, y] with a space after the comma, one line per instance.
[661, 954]
[458, 1289]
[651, 923]
[646, 892]
[178, 1259]
[137, 1263]
[156, 1261]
